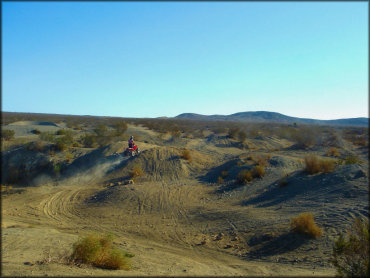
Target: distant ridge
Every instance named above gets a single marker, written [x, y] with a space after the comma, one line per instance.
[272, 117]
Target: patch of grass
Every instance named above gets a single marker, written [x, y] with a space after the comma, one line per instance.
[316, 165]
[351, 253]
[258, 171]
[333, 152]
[244, 177]
[98, 250]
[186, 155]
[305, 224]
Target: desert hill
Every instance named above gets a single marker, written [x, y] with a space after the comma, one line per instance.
[272, 117]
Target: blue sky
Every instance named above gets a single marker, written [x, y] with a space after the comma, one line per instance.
[152, 59]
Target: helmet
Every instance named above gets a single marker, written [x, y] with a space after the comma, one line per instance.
[132, 137]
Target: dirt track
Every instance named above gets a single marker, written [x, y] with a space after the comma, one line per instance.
[175, 223]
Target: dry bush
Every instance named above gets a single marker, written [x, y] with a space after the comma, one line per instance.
[242, 136]
[244, 176]
[316, 165]
[351, 253]
[7, 134]
[333, 152]
[233, 132]
[327, 166]
[260, 160]
[305, 224]
[224, 173]
[136, 172]
[240, 163]
[186, 155]
[258, 171]
[306, 136]
[99, 251]
[35, 146]
[220, 180]
[283, 181]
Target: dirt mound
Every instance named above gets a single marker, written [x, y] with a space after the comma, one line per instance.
[285, 163]
[347, 182]
[164, 164]
[24, 123]
[24, 128]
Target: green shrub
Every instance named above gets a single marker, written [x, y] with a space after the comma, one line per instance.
[7, 134]
[305, 224]
[352, 159]
[47, 136]
[99, 251]
[120, 128]
[88, 140]
[64, 132]
[351, 253]
[101, 130]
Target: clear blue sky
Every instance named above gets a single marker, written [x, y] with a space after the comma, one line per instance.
[151, 59]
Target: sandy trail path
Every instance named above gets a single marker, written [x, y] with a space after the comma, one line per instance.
[154, 222]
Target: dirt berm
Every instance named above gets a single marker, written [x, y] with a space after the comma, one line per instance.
[164, 164]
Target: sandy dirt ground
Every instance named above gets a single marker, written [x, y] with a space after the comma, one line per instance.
[176, 220]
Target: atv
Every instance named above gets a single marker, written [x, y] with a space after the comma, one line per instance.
[132, 151]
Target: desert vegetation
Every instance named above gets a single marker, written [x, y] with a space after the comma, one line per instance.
[315, 165]
[74, 169]
[186, 154]
[7, 134]
[305, 224]
[136, 172]
[351, 252]
[99, 251]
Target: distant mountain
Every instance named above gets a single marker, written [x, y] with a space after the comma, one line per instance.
[272, 117]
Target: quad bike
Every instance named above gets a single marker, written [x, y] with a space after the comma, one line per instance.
[131, 151]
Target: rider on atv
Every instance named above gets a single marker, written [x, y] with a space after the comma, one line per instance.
[131, 143]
